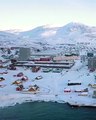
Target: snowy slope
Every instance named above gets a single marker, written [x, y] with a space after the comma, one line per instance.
[7, 39]
[39, 35]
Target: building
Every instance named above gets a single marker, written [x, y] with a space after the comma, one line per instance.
[94, 94]
[92, 62]
[90, 54]
[84, 59]
[66, 58]
[24, 54]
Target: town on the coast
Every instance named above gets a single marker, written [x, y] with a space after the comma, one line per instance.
[62, 73]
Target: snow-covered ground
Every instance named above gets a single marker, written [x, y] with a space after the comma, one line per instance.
[51, 86]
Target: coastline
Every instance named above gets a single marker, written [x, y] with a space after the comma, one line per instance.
[24, 98]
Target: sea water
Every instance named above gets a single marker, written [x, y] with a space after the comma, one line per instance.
[46, 111]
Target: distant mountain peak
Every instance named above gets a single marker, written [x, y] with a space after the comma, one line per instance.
[71, 24]
[76, 25]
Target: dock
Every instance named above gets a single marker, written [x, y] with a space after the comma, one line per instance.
[75, 104]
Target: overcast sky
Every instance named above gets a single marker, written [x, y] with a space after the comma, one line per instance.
[27, 14]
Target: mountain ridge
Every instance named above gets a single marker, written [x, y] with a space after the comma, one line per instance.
[69, 33]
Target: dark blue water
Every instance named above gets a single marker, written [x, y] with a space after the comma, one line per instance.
[46, 111]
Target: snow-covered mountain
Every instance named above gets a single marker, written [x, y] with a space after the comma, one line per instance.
[70, 33]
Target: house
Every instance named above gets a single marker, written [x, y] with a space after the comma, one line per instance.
[35, 69]
[83, 94]
[11, 67]
[1, 79]
[24, 78]
[20, 74]
[67, 90]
